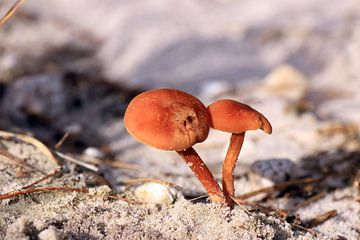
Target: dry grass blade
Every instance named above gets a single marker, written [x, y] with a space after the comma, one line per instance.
[320, 219]
[144, 180]
[36, 143]
[11, 11]
[122, 165]
[280, 186]
[266, 210]
[197, 198]
[41, 189]
[241, 206]
[76, 161]
[263, 209]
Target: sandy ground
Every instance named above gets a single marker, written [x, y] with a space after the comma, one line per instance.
[64, 64]
[101, 213]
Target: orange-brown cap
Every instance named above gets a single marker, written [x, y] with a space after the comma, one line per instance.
[167, 119]
[235, 117]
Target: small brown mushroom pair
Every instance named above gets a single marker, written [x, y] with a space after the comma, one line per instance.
[170, 119]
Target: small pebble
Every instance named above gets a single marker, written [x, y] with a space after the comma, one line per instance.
[285, 81]
[49, 234]
[102, 191]
[94, 152]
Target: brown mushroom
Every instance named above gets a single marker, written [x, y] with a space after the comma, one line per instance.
[170, 119]
[236, 118]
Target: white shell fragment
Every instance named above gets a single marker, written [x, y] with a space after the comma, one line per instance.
[156, 193]
[268, 172]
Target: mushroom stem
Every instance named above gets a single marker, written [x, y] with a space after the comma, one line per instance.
[204, 175]
[229, 164]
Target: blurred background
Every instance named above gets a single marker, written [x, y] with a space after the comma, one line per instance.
[72, 66]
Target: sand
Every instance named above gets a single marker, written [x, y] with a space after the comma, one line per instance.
[73, 67]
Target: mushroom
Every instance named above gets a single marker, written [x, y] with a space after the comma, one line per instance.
[170, 119]
[236, 118]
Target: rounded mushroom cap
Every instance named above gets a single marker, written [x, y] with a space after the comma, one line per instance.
[167, 119]
[235, 117]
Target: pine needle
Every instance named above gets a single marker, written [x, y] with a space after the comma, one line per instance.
[76, 161]
[11, 11]
[41, 189]
[41, 179]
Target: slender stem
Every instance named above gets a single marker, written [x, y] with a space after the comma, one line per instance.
[204, 175]
[229, 164]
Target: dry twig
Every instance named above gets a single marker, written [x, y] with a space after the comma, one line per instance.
[198, 197]
[97, 161]
[41, 179]
[320, 219]
[280, 186]
[41, 189]
[266, 210]
[94, 160]
[61, 141]
[111, 163]
[76, 161]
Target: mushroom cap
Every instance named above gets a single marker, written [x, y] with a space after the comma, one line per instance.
[231, 116]
[167, 119]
